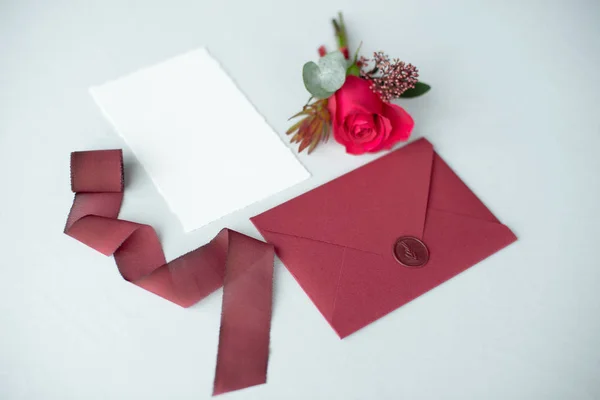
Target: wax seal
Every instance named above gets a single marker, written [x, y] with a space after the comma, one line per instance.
[411, 252]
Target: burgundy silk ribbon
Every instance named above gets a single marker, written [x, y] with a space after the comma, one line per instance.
[241, 264]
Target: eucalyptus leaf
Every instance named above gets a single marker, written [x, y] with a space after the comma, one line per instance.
[312, 82]
[419, 89]
[329, 75]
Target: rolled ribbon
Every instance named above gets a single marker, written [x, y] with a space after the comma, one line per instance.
[239, 263]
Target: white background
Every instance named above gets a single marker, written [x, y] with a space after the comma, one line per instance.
[514, 110]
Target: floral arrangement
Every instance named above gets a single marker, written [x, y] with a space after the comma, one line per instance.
[352, 97]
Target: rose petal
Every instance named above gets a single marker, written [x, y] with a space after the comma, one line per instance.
[353, 148]
[331, 106]
[339, 133]
[385, 127]
[401, 122]
[361, 128]
[364, 135]
[363, 119]
[374, 144]
[356, 97]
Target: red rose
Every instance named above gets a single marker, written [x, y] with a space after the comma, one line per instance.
[363, 122]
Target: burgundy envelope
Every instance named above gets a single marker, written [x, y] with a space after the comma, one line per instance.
[374, 239]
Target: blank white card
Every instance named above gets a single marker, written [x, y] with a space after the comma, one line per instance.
[207, 149]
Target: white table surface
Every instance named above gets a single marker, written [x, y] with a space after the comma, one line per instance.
[514, 110]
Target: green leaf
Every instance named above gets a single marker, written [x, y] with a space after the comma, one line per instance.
[419, 89]
[353, 70]
[329, 75]
[336, 27]
[343, 36]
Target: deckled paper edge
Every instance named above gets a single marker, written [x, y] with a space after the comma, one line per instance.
[186, 228]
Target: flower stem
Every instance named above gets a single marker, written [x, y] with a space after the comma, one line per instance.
[340, 31]
[308, 101]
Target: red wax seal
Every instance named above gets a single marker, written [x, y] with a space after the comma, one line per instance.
[411, 252]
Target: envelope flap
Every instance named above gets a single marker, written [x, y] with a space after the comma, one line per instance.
[366, 209]
[367, 289]
[449, 193]
[316, 266]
